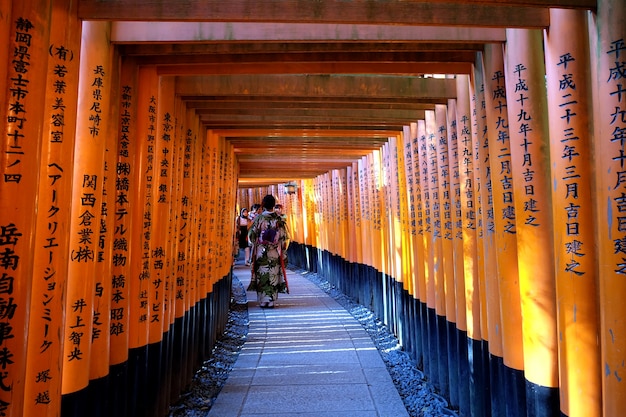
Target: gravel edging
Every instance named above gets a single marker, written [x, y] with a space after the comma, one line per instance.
[208, 381]
[417, 393]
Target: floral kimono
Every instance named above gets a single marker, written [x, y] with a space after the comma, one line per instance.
[270, 238]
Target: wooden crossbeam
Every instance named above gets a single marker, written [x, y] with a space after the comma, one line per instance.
[513, 13]
[284, 33]
[317, 86]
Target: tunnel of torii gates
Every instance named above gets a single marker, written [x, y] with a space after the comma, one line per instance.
[489, 235]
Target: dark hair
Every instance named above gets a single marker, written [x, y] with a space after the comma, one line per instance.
[268, 202]
[241, 212]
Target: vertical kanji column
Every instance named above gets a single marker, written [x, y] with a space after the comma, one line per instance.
[608, 38]
[413, 257]
[100, 340]
[491, 320]
[125, 202]
[44, 357]
[470, 186]
[419, 258]
[498, 153]
[140, 234]
[92, 130]
[529, 138]
[431, 357]
[456, 220]
[570, 112]
[447, 342]
[438, 328]
[474, 297]
[24, 70]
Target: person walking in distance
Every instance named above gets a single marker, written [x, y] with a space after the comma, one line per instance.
[243, 225]
[270, 239]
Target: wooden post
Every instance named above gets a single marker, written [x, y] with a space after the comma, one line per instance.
[569, 98]
[434, 305]
[608, 34]
[528, 129]
[42, 395]
[92, 129]
[365, 211]
[498, 152]
[126, 180]
[472, 276]
[471, 185]
[27, 27]
[141, 220]
[447, 326]
[418, 244]
[491, 320]
[457, 332]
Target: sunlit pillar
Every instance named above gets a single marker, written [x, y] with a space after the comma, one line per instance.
[447, 343]
[529, 140]
[419, 264]
[375, 180]
[470, 185]
[472, 272]
[569, 98]
[456, 218]
[141, 220]
[125, 202]
[414, 344]
[429, 315]
[25, 27]
[491, 319]
[498, 152]
[608, 54]
[42, 395]
[92, 132]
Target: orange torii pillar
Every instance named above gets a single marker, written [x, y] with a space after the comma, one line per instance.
[470, 186]
[192, 276]
[491, 320]
[447, 326]
[310, 230]
[376, 205]
[529, 137]
[431, 354]
[100, 340]
[608, 36]
[476, 348]
[404, 148]
[387, 233]
[413, 200]
[25, 29]
[85, 291]
[126, 180]
[160, 243]
[569, 98]
[365, 221]
[354, 223]
[419, 258]
[440, 377]
[139, 235]
[393, 282]
[405, 294]
[44, 357]
[458, 329]
[498, 152]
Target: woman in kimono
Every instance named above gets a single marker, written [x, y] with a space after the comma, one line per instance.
[270, 238]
